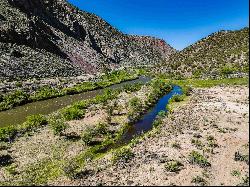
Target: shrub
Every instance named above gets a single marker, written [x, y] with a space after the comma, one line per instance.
[187, 90]
[70, 169]
[226, 70]
[33, 122]
[136, 107]
[245, 181]
[72, 112]
[123, 154]
[46, 93]
[42, 172]
[5, 159]
[199, 181]
[81, 104]
[177, 98]
[212, 143]
[4, 146]
[7, 133]
[87, 136]
[176, 145]
[58, 126]
[11, 169]
[157, 123]
[241, 157]
[13, 99]
[196, 158]
[173, 166]
[132, 88]
[101, 128]
[161, 114]
[197, 143]
[135, 103]
[235, 173]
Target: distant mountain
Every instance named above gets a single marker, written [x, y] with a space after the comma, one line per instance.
[48, 38]
[220, 52]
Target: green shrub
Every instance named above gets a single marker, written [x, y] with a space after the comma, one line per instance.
[135, 103]
[226, 70]
[157, 123]
[72, 113]
[88, 136]
[241, 157]
[81, 104]
[177, 98]
[70, 169]
[187, 90]
[245, 181]
[136, 107]
[11, 169]
[176, 145]
[235, 173]
[46, 93]
[33, 122]
[101, 128]
[4, 145]
[42, 172]
[8, 133]
[16, 98]
[161, 114]
[196, 158]
[123, 154]
[173, 166]
[132, 88]
[58, 126]
[199, 181]
[197, 143]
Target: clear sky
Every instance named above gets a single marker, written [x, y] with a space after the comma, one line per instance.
[179, 22]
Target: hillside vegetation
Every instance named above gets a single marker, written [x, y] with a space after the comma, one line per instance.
[220, 53]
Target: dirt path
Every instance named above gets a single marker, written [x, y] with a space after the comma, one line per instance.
[214, 123]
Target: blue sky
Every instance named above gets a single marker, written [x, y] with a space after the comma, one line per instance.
[179, 22]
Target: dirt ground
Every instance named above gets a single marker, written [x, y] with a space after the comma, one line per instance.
[214, 122]
[221, 113]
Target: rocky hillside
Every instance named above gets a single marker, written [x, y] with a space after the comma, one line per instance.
[48, 38]
[223, 52]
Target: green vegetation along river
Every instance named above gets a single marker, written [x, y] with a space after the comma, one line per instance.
[18, 115]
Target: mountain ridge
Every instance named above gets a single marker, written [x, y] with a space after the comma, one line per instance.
[76, 42]
[221, 52]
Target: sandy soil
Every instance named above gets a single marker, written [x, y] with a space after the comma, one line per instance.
[221, 112]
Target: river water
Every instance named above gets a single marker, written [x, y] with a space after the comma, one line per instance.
[146, 122]
[18, 114]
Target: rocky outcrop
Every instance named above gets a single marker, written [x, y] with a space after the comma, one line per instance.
[53, 38]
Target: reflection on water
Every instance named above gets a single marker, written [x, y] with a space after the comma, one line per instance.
[146, 122]
[18, 115]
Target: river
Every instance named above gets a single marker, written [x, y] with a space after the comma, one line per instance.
[18, 114]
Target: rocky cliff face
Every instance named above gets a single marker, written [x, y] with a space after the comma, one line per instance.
[48, 38]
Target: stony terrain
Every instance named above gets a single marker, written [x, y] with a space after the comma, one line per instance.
[48, 38]
[214, 122]
[223, 52]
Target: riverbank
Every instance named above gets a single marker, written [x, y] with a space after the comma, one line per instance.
[19, 114]
[45, 148]
[72, 147]
[205, 141]
[14, 94]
